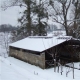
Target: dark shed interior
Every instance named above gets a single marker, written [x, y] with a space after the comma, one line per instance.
[66, 52]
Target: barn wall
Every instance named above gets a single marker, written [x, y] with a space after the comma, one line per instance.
[38, 60]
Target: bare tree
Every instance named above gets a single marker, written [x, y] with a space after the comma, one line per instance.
[61, 12]
[9, 3]
[5, 41]
[76, 12]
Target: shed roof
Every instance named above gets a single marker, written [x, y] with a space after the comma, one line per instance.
[40, 43]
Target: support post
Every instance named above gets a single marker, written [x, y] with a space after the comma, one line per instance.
[73, 70]
[61, 69]
[54, 65]
[58, 65]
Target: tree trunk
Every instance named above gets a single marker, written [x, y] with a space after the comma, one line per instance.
[65, 19]
[29, 19]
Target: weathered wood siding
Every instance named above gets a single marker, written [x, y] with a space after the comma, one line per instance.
[38, 60]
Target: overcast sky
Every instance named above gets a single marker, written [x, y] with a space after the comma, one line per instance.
[10, 15]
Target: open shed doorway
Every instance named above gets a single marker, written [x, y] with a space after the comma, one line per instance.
[65, 52]
[50, 56]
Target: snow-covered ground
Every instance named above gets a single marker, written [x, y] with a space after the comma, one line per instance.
[14, 69]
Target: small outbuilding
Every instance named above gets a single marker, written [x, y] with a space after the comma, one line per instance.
[42, 50]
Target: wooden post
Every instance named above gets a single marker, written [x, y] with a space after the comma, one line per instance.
[58, 65]
[79, 66]
[61, 69]
[58, 68]
[73, 70]
[54, 65]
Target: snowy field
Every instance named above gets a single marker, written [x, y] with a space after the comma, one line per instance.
[14, 69]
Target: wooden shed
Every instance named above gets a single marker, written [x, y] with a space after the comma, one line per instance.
[42, 50]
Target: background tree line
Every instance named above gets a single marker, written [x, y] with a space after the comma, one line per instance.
[7, 28]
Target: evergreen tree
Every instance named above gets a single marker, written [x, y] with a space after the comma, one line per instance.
[41, 14]
[28, 26]
[26, 19]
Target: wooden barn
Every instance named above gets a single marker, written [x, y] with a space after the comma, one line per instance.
[43, 50]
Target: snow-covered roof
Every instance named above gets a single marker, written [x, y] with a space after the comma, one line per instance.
[57, 33]
[39, 43]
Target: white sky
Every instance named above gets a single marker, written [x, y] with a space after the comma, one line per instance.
[10, 15]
